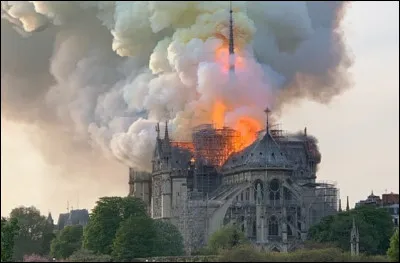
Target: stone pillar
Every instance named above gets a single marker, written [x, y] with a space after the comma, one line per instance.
[166, 196]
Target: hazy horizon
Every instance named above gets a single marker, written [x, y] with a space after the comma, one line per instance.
[357, 132]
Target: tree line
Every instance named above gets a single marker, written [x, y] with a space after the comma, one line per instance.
[119, 229]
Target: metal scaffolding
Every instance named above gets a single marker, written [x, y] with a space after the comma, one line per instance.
[213, 146]
[322, 198]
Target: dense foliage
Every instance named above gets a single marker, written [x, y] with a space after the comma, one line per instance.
[34, 235]
[246, 253]
[169, 241]
[67, 242]
[393, 251]
[84, 255]
[375, 229]
[134, 239]
[226, 238]
[105, 220]
[9, 230]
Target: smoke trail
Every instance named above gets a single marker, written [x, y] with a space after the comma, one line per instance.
[101, 74]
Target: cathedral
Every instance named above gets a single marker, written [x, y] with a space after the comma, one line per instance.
[267, 189]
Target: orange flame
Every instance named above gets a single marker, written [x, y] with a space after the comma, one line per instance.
[222, 57]
[248, 128]
[218, 114]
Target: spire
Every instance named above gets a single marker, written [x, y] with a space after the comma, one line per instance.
[166, 135]
[267, 111]
[231, 43]
[231, 40]
[50, 219]
[347, 204]
[340, 205]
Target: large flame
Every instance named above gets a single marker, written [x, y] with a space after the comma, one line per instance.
[218, 114]
[222, 58]
[248, 128]
[245, 125]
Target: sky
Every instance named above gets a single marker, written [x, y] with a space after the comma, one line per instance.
[357, 132]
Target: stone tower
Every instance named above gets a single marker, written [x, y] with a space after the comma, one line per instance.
[140, 185]
[354, 240]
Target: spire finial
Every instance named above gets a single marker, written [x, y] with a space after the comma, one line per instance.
[231, 40]
[267, 111]
[347, 205]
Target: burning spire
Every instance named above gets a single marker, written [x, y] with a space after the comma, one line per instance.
[231, 43]
[267, 112]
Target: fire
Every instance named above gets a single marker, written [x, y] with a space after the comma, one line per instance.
[218, 114]
[222, 57]
[184, 145]
[248, 128]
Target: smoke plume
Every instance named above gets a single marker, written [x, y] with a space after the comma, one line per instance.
[95, 77]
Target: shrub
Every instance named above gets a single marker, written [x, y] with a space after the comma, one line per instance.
[84, 255]
[35, 258]
[242, 253]
[393, 251]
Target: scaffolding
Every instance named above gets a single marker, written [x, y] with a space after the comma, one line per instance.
[213, 146]
[322, 198]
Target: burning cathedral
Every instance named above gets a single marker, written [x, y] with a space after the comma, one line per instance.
[267, 188]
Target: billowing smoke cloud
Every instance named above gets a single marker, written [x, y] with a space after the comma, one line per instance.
[101, 74]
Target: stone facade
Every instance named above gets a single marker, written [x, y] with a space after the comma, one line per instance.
[268, 190]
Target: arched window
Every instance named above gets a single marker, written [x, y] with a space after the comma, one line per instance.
[274, 193]
[273, 228]
[289, 230]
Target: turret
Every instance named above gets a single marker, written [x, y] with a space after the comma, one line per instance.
[166, 145]
[50, 219]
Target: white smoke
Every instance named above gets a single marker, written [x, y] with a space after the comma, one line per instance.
[116, 68]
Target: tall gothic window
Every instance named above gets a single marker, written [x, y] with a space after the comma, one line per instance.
[274, 193]
[273, 228]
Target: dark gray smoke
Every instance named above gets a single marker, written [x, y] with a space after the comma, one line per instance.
[94, 77]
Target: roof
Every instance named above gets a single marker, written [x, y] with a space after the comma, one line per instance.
[264, 152]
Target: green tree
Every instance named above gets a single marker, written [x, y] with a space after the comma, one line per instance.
[33, 230]
[393, 251]
[169, 241]
[9, 230]
[226, 238]
[84, 255]
[67, 242]
[106, 218]
[375, 229]
[134, 239]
